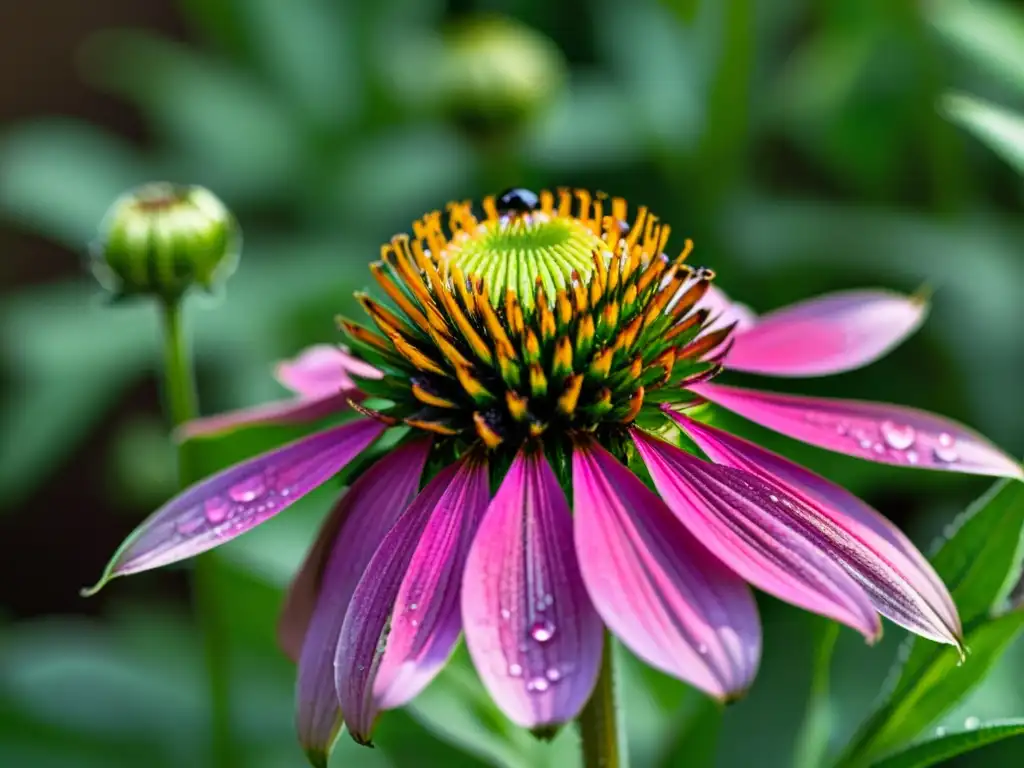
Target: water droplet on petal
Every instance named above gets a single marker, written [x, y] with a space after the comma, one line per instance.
[248, 490]
[946, 451]
[216, 509]
[773, 497]
[506, 614]
[538, 684]
[842, 429]
[413, 606]
[865, 442]
[515, 670]
[971, 723]
[912, 457]
[414, 623]
[542, 631]
[553, 674]
[898, 436]
[189, 525]
[878, 448]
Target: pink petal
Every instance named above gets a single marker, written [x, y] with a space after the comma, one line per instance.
[898, 579]
[403, 620]
[350, 536]
[737, 516]
[239, 498]
[725, 311]
[655, 586]
[322, 370]
[830, 334]
[530, 627]
[295, 411]
[890, 434]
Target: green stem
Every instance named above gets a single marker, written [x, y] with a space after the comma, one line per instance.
[180, 396]
[599, 721]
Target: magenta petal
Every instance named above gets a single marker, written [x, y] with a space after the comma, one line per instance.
[530, 627]
[233, 501]
[724, 311]
[900, 582]
[655, 586]
[740, 519]
[890, 434]
[403, 620]
[830, 334]
[322, 370]
[351, 535]
[296, 411]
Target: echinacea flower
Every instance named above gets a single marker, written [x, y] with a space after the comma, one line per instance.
[542, 362]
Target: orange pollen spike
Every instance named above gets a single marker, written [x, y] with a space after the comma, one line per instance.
[490, 438]
[570, 396]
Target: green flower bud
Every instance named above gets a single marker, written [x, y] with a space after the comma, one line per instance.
[160, 239]
[497, 75]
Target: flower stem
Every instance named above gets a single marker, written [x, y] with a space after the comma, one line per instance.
[180, 396]
[599, 721]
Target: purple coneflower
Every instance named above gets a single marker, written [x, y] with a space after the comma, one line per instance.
[542, 364]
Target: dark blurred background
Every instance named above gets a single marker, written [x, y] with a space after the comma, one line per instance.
[804, 145]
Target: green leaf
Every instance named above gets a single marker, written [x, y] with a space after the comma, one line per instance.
[991, 34]
[686, 10]
[59, 177]
[979, 561]
[999, 128]
[812, 743]
[935, 751]
[229, 130]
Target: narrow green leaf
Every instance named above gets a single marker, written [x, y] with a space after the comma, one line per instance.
[812, 743]
[979, 562]
[686, 10]
[991, 34]
[933, 751]
[999, 128]
[939, 683]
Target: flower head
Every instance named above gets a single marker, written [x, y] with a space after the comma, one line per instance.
[161, 239]
[550, 350]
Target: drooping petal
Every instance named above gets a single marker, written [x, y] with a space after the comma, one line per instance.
[319, 375]
[530, 627]
[233, 501]
[403, 620]
[899, 580]
[830, 334]
[737, 516]
[656, 587]
[322, 370]
[724, 311]
[294, 411]
[328, 577]
[889, 434]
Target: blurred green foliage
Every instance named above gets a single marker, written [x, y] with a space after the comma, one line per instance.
[806, 146]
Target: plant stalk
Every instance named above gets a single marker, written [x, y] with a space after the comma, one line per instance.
[600, 726]
[180, 397]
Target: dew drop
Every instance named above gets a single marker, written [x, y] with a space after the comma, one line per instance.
[542, 631]
[865, 443]
[971, 723]
[878, 448]
[414, 623]
[515, 670]
[898, 436]
[189, 525]
[506, 614]
[538, 684]
[842, 429]
[946, 451]
[912, 457]
[216, 509]
[247, 490]
[940, 731]
[554, 674]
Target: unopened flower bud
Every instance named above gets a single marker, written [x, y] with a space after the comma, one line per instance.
[497, 75]
[160, 239]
